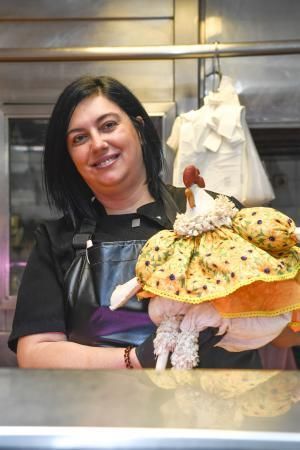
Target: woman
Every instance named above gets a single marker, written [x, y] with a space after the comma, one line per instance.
[102, 166]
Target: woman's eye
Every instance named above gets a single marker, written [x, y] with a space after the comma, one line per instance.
[78, 139]
[109, 126]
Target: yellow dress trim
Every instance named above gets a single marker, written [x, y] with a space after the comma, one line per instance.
[273, 313]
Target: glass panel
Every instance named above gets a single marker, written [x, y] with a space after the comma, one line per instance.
[279, 148]
[284, 174]
[28, 204]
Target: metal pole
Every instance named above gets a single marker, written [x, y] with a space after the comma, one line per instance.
[149, 52]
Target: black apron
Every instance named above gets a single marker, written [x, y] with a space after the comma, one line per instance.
[92, 277]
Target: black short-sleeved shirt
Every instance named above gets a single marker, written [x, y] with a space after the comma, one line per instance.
[41, 306]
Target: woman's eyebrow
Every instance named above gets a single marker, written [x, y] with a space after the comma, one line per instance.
[99, 119]
[74, 130]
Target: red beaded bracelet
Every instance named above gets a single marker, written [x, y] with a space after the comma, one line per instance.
[127, 360]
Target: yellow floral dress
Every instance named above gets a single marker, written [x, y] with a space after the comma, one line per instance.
[248, 265]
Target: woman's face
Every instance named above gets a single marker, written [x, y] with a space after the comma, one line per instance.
[105, 147]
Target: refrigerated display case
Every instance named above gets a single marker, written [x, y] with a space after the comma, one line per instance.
[131, 409]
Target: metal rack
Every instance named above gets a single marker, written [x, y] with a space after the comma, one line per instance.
[160, 52]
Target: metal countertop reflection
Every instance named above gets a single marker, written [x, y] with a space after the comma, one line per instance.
[124, 409]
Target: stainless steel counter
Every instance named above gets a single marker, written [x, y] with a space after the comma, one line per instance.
[146, 409]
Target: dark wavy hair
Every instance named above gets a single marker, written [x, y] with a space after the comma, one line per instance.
[65, 188]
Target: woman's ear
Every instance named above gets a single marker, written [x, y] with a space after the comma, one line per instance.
[140, 120]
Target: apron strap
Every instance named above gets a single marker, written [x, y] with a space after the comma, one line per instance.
[86, 231]
[170, 206]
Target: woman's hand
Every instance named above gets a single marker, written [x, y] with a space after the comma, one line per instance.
[144, 353]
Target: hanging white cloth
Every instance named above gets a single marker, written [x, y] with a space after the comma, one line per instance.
[217, 140]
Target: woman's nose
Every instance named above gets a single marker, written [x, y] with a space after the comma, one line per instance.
[98, 142]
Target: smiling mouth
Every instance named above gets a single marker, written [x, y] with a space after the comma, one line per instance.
[105, 162]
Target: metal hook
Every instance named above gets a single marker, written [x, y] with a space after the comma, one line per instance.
[216, 69]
